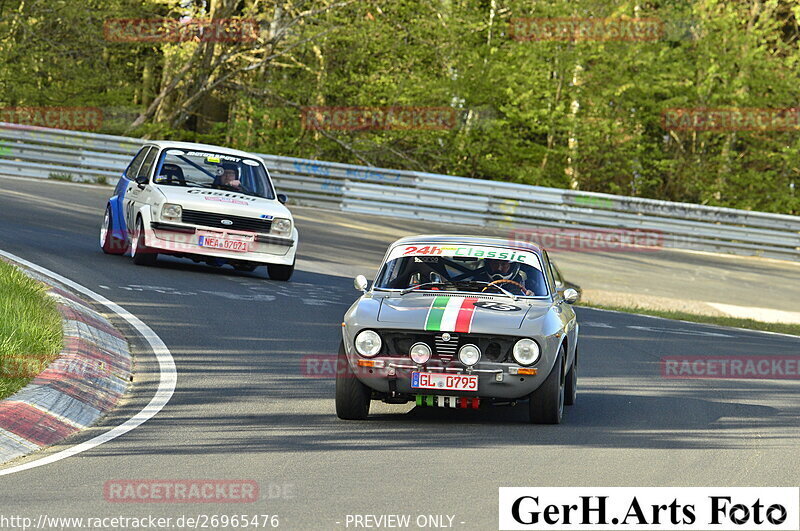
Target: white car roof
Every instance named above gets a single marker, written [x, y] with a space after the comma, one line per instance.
[200, 147]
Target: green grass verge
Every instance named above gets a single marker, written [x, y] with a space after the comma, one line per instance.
[751, 324]
[30, 329]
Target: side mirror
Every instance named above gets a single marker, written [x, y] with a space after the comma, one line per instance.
[141, 180]
[360, 283]
[282, 198]
[570, 296]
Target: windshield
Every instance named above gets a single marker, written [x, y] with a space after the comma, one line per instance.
[200, 169]
[466, 268]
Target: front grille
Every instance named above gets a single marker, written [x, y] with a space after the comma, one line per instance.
[493, 348]
[446, 350]
[210, 219]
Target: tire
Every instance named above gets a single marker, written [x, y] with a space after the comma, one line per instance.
[352, 396]
[571, 389]
[141, 254]
[108, 243]
[546, 404]
[280, 272]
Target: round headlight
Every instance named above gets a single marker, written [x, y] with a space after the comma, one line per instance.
[368, 343]
[469, 355]
[420, 353]
[526, 352]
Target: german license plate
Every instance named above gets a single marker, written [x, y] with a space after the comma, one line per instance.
[224, 244]
[444, 382]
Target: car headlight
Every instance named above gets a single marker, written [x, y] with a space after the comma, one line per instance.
[281, 226]
[526, 351]
[368, 343]
[469, 355]
[171, 211]
[420, 353]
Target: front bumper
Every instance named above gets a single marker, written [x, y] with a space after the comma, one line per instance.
[495, 380]
[183, 240]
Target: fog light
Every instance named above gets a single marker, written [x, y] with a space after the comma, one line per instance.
[420, 353]
[469, 355]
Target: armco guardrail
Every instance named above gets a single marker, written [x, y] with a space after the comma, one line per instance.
[51, 153]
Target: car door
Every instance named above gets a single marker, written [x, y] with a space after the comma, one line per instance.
[138, 194]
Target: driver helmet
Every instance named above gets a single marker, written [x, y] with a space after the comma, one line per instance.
[494, 269]
[231, 166]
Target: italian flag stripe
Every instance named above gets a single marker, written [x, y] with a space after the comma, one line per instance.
[465, 315]
[451, 314]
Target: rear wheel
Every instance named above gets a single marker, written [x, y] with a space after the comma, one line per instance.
[141, 254]
[571, 391]
[352, 396]
[280, 272]
[546, 404]
[108, 243]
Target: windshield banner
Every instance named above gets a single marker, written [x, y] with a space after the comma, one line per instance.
[466, 251]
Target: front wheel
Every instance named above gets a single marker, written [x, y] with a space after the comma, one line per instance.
[141, 254]
[280, 272]
[352, 396]
[546, 404]
[571, 391]
[108, 243]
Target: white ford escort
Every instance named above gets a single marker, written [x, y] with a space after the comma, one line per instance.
[202, 202]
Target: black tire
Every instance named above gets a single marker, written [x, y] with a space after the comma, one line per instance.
[280, 272]
[108, 243]
[571, 389]
[546, 404]
[141, 254]
[352, 396]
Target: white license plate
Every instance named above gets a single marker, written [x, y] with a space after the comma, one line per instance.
[444, 382]
[224, 244]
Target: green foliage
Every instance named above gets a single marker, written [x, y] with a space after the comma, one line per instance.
[584, 114]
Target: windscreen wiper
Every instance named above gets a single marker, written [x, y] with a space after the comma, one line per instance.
[505, 291]
[412, 288]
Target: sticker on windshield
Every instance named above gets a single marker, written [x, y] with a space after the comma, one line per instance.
[176, 152]
[213, 157]
[250, 162]
[466, 252]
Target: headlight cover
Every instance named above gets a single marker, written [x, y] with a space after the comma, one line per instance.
[420, 353]
[171, 211]
[526, 351]
[368, 343]
[281, 226]
[469, 355]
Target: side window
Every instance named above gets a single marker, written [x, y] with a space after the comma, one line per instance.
[133, 168]
[548, 272]
[147, 166]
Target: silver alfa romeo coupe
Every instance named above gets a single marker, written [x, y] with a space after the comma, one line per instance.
[460, 322]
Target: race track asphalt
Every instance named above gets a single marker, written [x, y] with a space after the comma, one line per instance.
[245, 407]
